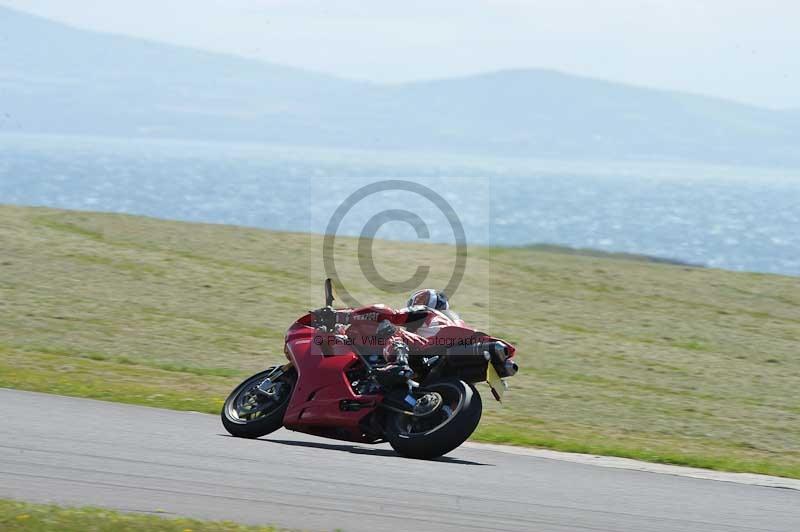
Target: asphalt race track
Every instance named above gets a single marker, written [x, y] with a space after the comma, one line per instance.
[137, 459]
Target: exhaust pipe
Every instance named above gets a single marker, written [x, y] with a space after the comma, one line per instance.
[511, 368]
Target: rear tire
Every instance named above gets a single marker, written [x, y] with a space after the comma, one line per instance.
[424, 443]
[247, 414]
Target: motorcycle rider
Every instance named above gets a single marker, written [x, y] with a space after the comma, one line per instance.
[426, 312]
[400, 332]
[436, 313]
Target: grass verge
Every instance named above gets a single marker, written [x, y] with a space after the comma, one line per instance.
[21, 516]
[622, 357]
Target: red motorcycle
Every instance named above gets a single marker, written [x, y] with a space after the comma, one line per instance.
[338, 383]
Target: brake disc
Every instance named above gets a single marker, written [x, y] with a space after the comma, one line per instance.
[428, 404]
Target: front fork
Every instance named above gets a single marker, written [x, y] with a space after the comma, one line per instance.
[266, 386]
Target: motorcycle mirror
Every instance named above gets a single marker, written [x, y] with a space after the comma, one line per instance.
[328, 292]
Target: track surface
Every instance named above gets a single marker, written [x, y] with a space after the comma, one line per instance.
[78, 451]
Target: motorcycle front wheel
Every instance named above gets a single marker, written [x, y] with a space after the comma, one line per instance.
[448, 412]
[250, 412]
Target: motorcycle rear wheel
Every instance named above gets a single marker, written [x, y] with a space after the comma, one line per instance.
[435, 434]
[248, 413]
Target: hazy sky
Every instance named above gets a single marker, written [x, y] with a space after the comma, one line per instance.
[748, 50]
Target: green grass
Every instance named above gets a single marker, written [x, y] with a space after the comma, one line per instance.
[619, 356]
[19, 516]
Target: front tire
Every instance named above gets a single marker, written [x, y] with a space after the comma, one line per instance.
[445, 428]
[247, 413]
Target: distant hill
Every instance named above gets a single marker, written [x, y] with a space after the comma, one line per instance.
[57, 79]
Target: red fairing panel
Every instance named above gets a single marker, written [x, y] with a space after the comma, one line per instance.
[364, 321]
[322, 383]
